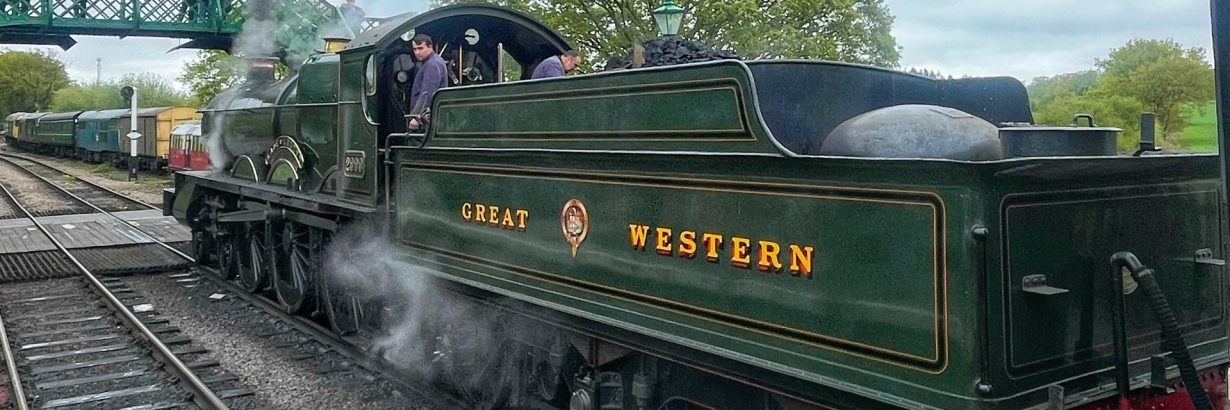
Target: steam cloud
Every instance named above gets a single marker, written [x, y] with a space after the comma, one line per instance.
[417, 311]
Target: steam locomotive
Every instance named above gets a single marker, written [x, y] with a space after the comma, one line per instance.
[728, 234]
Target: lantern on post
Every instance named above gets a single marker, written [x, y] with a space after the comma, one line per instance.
[669, 17]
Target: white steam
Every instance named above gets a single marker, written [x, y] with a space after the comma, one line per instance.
[426, 329]
[218, 157]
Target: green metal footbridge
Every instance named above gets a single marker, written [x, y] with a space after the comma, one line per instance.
[209, 24]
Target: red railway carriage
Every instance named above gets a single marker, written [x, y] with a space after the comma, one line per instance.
[187, 152]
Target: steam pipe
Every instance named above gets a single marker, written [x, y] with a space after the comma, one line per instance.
[1170, 330]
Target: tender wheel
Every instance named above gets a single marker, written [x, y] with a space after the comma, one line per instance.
[253, 260]
[472, 359]
[297, 263]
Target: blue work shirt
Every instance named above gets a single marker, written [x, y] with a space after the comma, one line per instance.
[432, 75]
[551, 67]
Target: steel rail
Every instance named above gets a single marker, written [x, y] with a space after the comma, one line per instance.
[3, 157]
[109, 190]
[340, 345]
[355, 354]
[202, 393]
[18, 395]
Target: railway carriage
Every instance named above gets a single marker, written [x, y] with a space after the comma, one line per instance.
[188, 151]
[12, 127]
[732, 234]
[53, 133]
[27, 125]
[99, 137]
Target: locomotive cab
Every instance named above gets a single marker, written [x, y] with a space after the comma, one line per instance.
[479, 47]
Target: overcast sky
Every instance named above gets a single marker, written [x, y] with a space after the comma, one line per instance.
[1023, 39]
[1027, 39]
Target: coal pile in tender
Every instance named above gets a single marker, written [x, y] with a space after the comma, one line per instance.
[671, 50]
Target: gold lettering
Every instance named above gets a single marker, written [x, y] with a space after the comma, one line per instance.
[664, 241]
[495, 215]
[800, 260]
[712, 243]
[521, 215]
[738, 251]
[508, 221]
[637, 234]
[480, 213]
[466, 212]
[768, 257]
[687, 244]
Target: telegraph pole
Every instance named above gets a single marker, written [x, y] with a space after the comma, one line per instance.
[98, 76]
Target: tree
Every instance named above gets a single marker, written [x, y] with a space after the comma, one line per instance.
[214, 71]
[1162, 75]
[152, 91]
[1043, 90]
[29, 80]
[1108, 110]
[847, 30]
[210, 73]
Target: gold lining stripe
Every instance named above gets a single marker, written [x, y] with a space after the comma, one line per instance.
[940, 276]
[716, 80]
[502, 100]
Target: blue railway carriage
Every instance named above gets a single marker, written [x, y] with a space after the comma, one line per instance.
[99, 136]
[102, 137]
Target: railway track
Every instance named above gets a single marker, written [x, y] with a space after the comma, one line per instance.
[87, 342]
[305, 330]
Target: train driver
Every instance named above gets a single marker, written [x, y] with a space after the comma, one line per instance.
[431, 75]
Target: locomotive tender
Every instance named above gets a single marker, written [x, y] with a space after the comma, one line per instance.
[731, 234]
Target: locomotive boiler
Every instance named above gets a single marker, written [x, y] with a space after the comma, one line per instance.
[727, 234]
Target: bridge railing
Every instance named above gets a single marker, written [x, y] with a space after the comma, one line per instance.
[159, 18]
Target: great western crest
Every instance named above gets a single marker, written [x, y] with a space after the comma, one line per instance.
[574, 220]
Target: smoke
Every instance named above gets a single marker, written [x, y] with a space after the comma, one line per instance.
[218, 157]
[424, 328]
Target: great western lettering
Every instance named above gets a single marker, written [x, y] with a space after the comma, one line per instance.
[741, 252]
[495, 215]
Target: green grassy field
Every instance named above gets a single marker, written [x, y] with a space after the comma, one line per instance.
[1201, 135]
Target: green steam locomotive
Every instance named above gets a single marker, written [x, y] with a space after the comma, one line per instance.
[728, 234]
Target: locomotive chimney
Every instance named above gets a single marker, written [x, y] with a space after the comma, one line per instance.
[260, 69]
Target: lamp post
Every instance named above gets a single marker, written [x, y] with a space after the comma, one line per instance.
[669, 17]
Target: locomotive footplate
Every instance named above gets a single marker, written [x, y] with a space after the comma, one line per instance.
[90, 231]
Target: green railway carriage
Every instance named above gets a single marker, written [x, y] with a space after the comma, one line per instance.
[760, 234]
[54, 133]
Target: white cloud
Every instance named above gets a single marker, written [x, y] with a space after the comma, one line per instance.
[1036, 38]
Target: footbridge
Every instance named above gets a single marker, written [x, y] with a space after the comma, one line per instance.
[209, 24]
